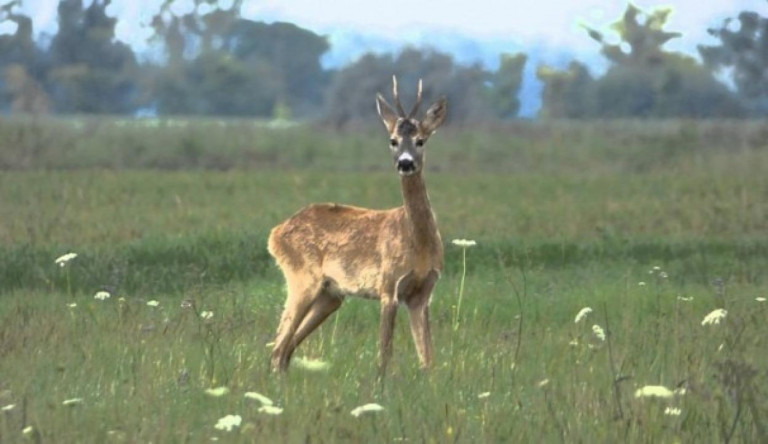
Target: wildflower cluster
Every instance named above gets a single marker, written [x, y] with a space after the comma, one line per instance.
[366, 408]
[656, 270]
[311, 364]
[582, 314]
[63, 260]
[229, 422]
[659, 391]
[599, 332]
[463, 244]
[714, 317]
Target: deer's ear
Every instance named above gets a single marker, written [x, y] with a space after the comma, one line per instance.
[435, 116]
[385, 112]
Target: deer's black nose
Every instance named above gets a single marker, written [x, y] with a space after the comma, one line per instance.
[406, 165]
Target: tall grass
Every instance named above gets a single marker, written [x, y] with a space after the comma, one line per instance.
[142, 371]
[519, 147]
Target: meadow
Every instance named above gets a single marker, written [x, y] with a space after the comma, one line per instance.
[652, 225]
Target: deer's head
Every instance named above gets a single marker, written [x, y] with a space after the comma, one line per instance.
[408, 135]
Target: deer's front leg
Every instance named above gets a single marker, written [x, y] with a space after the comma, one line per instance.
[386, 329]
[422, 338]
[418, 311]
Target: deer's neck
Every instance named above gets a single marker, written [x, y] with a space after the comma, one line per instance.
[419, 215]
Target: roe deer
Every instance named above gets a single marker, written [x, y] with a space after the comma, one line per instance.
[328, 251]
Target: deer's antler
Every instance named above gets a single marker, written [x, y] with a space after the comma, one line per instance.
[400, 110]
[416, 105]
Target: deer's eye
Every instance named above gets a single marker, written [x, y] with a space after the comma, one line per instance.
[419, 142]
[393, 142]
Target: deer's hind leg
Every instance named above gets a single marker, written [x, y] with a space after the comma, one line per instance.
[303, 290]
[323, 306]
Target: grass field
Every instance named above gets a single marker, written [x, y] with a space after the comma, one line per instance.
[566, 216]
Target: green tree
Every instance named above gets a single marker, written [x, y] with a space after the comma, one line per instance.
[567, 93]
[292, 52]
[227, 86]
[219, 63]
[353, 89]
[641, 34]
[506, 82]
[91, 72]
[643, 79]
[647, 81]
[23, 66]
[743, 48]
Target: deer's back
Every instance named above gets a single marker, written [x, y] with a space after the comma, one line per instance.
[336, 236]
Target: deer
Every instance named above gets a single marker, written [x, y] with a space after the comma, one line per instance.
[329, 251]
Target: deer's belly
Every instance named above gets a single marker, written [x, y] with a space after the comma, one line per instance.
[351, 281]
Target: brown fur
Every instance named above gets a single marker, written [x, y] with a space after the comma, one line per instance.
[330, 251]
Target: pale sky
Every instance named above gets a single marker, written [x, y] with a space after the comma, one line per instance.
[526, 22]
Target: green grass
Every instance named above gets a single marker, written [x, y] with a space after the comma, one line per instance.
[126, 360]
[558, 229]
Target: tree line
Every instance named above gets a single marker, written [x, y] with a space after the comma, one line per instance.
[212, 61]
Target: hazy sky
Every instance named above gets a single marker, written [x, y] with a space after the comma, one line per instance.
[524, 21]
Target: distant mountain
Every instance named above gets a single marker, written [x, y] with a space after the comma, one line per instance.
[347, 46]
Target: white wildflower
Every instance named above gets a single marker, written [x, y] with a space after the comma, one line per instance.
[229, 422]
[367, 408]
[27, 430]
[654, 391]
[207, 315]
[315, 365]
[102, 295]
[641, 284]
[61, 261]
[270, 410]
[714, 317]
[464, 243]
[543, 382]
[153, 303]
[582, 314]
[218, 391]
[483, 395]
[259, 397]
[599, 332]
[760, 299]
[8, 408]
[673, 411]
[72, 305]
[73, 401]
